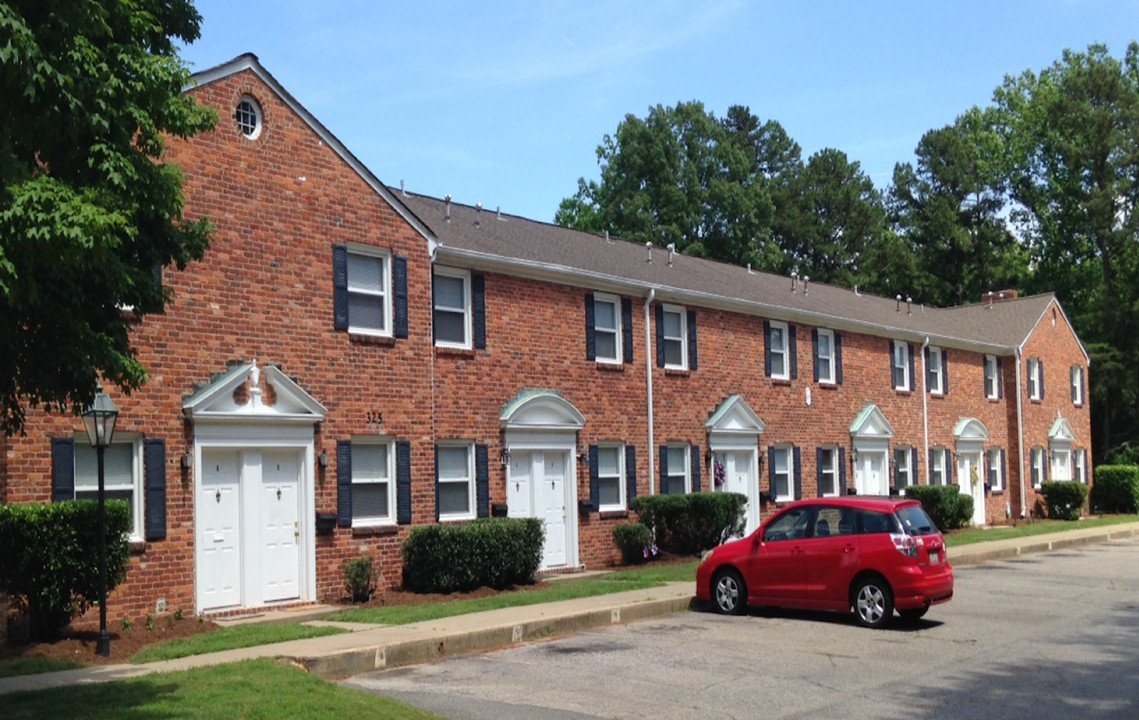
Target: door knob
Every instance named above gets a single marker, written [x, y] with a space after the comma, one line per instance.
[217, 495]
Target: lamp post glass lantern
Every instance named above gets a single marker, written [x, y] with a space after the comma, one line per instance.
[99, 420]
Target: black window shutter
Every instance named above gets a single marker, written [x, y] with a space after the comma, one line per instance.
[403, 482]
[1084, 390]
[1073, 385]
[913, 380]
[399, 271]
[630, 474]
[914, 466]
[1040, 374]
[594, 479]
[815, 350]
[794, 351]
[659, 312]
[627, 328]
[932, 464]
[818, 469]
[771, 470]
[590, 328]
[944, 372]
[895, 380]
[1043, 465]
[434, 334]
[436, 483]
[949, 469]
[340, 287]
[344, 483]
[482, 480]
[695, 450]
[62, 469]
[693, 356]
[154, 463]
[928, 370]
[842, 471]
[767, 347]
[838, 359]
[1000, 380]
[798, 474]
[663, 469]
[478, 309]
[1004, 469]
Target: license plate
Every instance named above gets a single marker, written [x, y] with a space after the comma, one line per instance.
[934, 557]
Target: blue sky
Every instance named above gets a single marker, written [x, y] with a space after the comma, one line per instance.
[505, 103]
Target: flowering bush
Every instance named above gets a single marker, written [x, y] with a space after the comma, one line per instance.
[718, 473]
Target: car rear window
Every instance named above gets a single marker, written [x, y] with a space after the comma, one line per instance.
[915, 521]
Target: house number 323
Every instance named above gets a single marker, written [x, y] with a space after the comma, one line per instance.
[374, 418]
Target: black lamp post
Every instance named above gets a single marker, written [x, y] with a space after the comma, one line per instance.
[99, 419]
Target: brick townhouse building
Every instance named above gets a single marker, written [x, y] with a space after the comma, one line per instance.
[350, 361]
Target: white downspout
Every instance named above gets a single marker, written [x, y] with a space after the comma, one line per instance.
[649, 383]
[925, 411]
[1020, 439]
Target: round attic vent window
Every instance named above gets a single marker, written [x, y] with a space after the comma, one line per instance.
[248, 115]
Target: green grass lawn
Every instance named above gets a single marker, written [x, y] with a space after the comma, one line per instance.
[35, 666]
[968, 536]
[251, 689]
[231, 638]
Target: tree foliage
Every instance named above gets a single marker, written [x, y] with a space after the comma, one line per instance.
[89, 212]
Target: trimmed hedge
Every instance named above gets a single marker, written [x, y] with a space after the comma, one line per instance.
[50, 560]
[1116, 489]
[488, 552]
[688, 524]
[635, 541]
[946, 505]
[1064, 498]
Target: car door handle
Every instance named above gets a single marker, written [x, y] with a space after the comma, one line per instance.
[847, 548]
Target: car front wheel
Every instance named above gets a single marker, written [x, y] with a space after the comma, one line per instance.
[873, 602]
[729, 592]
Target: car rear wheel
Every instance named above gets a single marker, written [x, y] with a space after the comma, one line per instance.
[729, 593]
[873, 602]
[912, 616]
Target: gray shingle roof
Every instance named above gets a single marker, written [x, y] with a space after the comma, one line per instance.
[492, 241]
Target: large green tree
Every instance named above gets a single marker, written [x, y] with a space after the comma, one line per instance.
[681, 176]
[1072, 138]
[952, 209]
[89, 212]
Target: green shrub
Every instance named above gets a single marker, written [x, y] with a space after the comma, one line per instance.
[688, 524]
[1064, 499]
[360, 578]
[489, 552]
[1122, 454]
[1116, 489]
[635, 541]
[49, 564]
[946, 505]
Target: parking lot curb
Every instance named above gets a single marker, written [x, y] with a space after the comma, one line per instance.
[1009, 549]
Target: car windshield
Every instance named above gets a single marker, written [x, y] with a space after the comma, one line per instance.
[915, 521]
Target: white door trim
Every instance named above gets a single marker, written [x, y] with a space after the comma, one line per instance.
[552, 442]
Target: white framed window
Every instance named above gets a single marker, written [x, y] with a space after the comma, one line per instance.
[675, 331]
[779, 351]
[828, 472]
[992, 378]
[1061, 465]
[369, 296]
[611, 477]
[676, 477]
[937, 467]
[1036, 466]
[122, 474]
[936, 371]
[996, 470]
[901, 365]
[248, 117]
[782, 486]
[373, 486]
[825, 350]
[451, 312]
[1035, 379]
[607, 328]
[903, 467]
[1080, 464]
[1077, 379]
[455, 469]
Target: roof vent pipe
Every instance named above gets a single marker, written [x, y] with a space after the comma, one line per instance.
[898, 307]
[649, 250]
[402, 189]
[806, 279]
[671, 252]
[794, 280]
[498, 211]
[478, 213]
[990, 298]
[856, 293]
[909, 305]
[447, 212]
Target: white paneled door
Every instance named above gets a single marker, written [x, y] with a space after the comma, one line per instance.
[280, 526]
[219, 530]
[537, 488]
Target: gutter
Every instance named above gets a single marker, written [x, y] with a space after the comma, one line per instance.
[1020, 439]
[649, 383]
[925, 410]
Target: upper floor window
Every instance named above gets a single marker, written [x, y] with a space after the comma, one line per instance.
[675, 470]
[369, 299]
[1077, 380]
[828, 357]
[611, 477]
[373, 486]
[992, 377]
[904, 467]
[996, 470]
[607, 329]
[673, 340]
[935, 365]
[455, 472]
[828, 479]
[778, 351]
[1035, 379]
[901, 365]
[451, 314]
[248, 117]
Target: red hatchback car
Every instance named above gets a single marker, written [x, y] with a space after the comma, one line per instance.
[872, 554]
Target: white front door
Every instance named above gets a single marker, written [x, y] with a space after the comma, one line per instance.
[870, 473]
[738, 477]
[280, 525]
[537, 488]
[219, 530]
[971, 481]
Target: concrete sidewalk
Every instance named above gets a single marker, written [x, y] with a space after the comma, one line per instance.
[375, 647]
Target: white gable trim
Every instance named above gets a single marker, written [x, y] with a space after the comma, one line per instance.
[540, 410]
[871, 424]
[970, 429]
[1061, 431]
[734, 417]
[216, 403]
